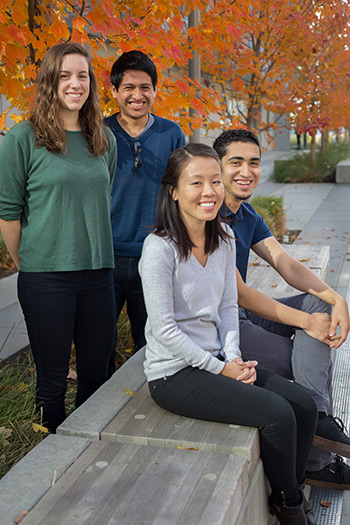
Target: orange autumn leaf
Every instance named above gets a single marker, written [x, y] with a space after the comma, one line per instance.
[16, 35]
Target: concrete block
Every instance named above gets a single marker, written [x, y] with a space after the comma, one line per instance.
[29, 480]
[255, 507]
[342, 174]
[95, 414]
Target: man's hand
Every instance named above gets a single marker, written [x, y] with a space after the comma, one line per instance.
[319, 327]
[339, 318]
[240, 370]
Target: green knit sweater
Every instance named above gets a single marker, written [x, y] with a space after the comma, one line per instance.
[62, 200]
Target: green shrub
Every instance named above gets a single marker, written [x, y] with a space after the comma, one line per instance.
[272, 210]
[298, 168]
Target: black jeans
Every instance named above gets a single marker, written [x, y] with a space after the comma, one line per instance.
[128, 288]
[60, 307]
[283, 412]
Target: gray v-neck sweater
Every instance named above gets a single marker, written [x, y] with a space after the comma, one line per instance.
[192, 310]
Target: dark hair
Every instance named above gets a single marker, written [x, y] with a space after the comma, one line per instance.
[45, 119]
[135, 60]
[168, 219]
[233, 135]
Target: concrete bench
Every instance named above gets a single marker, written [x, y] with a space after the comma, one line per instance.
[137, 463]
[342, 172]
[31, 478]
[264, 278]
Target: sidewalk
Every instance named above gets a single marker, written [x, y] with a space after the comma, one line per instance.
[12, 324]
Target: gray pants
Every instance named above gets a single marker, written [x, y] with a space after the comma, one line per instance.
[293, 354]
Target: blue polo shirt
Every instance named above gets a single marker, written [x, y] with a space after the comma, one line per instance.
[249, 228]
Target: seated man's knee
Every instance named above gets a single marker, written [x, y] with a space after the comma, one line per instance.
[313, 304]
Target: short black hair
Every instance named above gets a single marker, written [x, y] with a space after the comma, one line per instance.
[233, 135]
[137, 61]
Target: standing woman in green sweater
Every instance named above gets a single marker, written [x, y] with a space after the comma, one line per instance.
[56, 172]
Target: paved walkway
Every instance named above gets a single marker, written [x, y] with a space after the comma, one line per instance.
[320, 211]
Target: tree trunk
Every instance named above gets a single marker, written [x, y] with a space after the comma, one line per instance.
[325, 140]
[313, 151]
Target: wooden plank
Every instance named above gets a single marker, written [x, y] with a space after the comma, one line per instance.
[127, 484]
[143, 422]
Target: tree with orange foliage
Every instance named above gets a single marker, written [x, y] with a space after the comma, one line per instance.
[322, 88]
[266, 55]
[29, 27]
[255, 60]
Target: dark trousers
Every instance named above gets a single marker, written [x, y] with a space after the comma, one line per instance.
[128, 288]
[283, 412]
[60, 307]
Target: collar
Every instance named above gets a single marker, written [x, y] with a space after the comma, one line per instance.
[226, 213]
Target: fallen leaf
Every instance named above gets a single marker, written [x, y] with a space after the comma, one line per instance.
[304, 260]
[192, 449]
[21, 516]
[129, 392]
[4, 434]
[325, 503]
[180, 448]
[273, 285]
[23, 387]
[39, 428]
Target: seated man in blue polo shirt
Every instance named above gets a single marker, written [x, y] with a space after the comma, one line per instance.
[302, 358]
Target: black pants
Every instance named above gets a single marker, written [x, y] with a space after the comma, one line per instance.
[60, 307]
[128, 288]
[283, 412]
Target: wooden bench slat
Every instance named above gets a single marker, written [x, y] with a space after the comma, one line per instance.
[145, 485]
[143, 422]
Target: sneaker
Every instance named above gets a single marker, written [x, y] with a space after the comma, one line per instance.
[336, 475]
[332, 435]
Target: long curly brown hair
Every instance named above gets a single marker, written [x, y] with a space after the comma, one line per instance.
[45, 119]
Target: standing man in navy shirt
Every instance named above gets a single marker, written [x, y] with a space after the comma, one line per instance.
[144, 142]
[287, 351]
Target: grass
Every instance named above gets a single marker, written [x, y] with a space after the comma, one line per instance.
[298, 169]
[17, 411]
[17, 399]
[272, 210]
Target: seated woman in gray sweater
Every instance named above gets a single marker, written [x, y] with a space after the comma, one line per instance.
[193, 362]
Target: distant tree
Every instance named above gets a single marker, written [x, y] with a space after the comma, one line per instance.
[267, 53]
